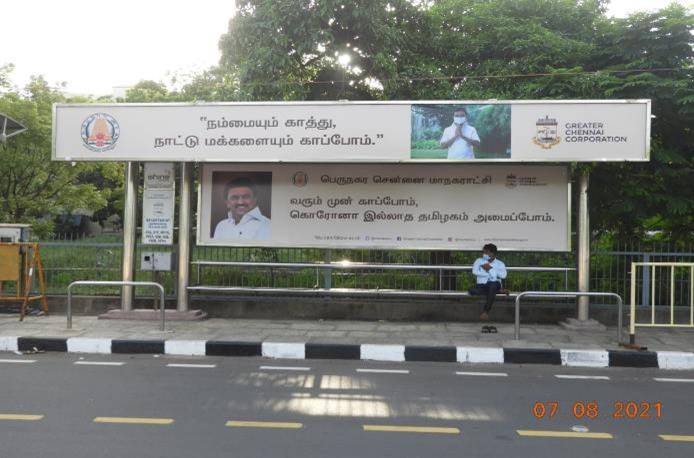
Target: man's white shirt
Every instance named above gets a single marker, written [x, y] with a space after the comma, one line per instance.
[460, 149]
[253, 226]
[496, 273]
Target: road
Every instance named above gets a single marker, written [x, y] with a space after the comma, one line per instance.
[66, 405]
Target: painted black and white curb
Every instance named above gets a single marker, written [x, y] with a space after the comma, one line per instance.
[374, 352]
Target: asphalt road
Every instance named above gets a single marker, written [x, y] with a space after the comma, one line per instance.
[58, 406]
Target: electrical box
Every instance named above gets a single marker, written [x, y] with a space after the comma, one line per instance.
[10, 233]
[156, 261]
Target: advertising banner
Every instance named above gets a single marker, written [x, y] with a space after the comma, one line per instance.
[388, 206]
[386, 132]
[158, 204]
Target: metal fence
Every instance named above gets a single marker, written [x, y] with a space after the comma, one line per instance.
[68, 259]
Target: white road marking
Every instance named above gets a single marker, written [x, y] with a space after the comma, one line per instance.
[17, 361]
[681, 380]
[484, 374]
[99, 363]
[284, 368]
[583, 377]
[385, 371]
[199, 366]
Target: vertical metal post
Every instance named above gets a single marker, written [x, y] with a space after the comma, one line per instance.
[632, 304]
[184, 236]
[645, 280]
[132, 180]
[583, 257]
[184, 211]
[328, 272]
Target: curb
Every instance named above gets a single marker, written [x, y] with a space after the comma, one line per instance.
[372, 352]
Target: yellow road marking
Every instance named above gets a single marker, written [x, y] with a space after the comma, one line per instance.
[264, 424]
[411, 429]
[135, 420]
[20, 417]
[535, 433]
[676, 438]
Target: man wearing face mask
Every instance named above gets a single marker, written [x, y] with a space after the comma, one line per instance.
[460, 138]
[489, 272]
[244, 218]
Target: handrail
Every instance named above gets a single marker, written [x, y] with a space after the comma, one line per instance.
[632, 306]
[116, 283]
[568, 294]
[332, 291]
[365, 265]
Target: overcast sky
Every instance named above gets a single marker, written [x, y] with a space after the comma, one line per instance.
[95, 46]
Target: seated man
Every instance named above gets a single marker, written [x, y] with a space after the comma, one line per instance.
[489, 272]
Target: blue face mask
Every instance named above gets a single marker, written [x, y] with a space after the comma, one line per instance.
[485, 257]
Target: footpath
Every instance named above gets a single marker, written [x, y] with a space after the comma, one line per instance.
[385, 341]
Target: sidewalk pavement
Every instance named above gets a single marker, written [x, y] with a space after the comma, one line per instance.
[353, 334]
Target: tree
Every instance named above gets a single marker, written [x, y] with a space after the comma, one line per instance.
[480, 49]
[34, 189]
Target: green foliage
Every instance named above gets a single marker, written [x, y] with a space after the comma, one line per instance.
[33, 189]
[482, 49]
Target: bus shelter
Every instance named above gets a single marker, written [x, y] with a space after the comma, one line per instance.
[423, 175]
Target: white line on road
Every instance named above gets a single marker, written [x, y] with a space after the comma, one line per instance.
[484, 374]
[681, 380]
[284, 368]
[583, 377]
[385, 371]
[98, 363]
[17, 361]
[198, 366]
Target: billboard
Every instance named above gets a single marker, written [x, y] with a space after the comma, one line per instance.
[386, 132]
[388, 206]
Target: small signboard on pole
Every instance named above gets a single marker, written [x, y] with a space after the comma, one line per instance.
[158, 204]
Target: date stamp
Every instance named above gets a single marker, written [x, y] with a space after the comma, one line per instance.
[628, 410]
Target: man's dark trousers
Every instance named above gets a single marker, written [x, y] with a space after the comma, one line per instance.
[489, 290]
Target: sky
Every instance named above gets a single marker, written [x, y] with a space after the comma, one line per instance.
[96, 46]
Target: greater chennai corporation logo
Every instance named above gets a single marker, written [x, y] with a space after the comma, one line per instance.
[546, 132]
[100, 132]
[300, 179]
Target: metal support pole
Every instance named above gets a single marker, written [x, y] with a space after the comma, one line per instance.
[184, 236]
[583, 258]
[646, 280]
[132, 180]
[328, 273]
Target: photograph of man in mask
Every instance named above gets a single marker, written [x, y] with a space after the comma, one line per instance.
[460, 138]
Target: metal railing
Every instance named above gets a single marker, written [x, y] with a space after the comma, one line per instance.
[162, 303]
[568, 294]
[323, 267]
[651, 268]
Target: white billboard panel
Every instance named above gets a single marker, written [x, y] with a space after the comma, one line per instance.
[401, 206]
[437, 131]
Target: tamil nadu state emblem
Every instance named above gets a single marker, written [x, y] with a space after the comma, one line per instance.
[300, 179]
[100, 132]
[546, 132]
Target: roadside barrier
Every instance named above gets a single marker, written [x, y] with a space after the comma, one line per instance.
[650, 271]
[162, 303]
[568, 294]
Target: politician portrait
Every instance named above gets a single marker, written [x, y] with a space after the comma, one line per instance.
[241, 206]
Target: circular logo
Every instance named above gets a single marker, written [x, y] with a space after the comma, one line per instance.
[100, 132]
[300, 179]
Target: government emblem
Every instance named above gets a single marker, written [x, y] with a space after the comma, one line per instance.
[100, 132]
[546, 132]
